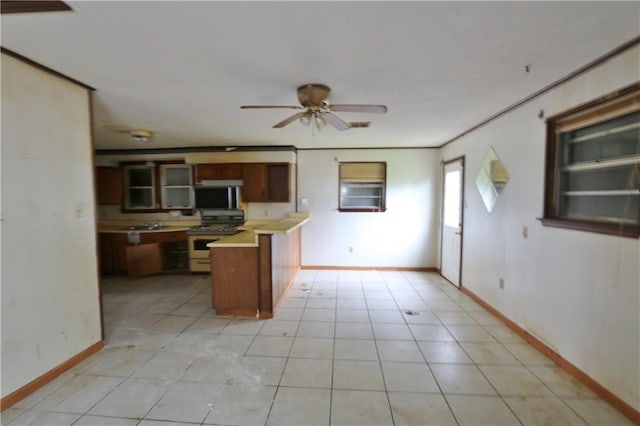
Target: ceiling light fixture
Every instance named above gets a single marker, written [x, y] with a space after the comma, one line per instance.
[141, 135]
[315, 120]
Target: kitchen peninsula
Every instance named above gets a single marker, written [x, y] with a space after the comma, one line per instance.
[251, 270]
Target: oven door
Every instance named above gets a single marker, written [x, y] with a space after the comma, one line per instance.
[199, 260]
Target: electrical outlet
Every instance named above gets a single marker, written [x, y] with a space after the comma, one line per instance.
[266, 212]
[501, 283]
[525, 232]
[350, 249]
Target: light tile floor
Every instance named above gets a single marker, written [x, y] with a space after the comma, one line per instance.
[345, 348]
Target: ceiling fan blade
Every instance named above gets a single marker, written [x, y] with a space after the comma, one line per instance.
[335, 121]
[270, 106]
[358, 108]
[288, 120]
[116, 128]
[359, 124]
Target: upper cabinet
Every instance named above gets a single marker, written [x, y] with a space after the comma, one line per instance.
[278, 183]
[262, 182]
[162, 186]
[254, 185]
[265, 182]
[217, 171]
[109, 186]
[165, 186]
[177, 186]
[139, 182]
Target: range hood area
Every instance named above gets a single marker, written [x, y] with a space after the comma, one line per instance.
[218, 194]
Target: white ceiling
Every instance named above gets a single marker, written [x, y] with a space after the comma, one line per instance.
[182, 69]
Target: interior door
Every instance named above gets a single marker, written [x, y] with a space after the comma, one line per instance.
[452, 196]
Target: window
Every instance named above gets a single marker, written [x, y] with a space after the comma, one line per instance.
[362, 187]
[593, 166]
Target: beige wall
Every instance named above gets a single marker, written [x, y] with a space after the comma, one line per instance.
[578, 292]
[406, 235]
[50, 308]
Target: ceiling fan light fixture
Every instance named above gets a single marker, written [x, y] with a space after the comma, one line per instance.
[305, 119]
[319, 121]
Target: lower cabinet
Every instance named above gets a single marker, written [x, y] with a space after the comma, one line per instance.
[144, 259]
[252, 281]
[237, 266]
[113, 255]
[162, 251]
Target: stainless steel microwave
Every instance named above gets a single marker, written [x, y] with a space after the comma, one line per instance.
[218, 194]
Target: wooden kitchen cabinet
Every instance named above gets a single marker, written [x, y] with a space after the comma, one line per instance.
[109, 186]
[174, 252]
[265, 182]
[252, 281]
[113, 257]
[278, 183]
[117, 257]
[217, 171]
[254, 185]
[143, 259]
[235, 278]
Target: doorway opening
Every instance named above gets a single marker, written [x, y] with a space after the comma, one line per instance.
[452, 220]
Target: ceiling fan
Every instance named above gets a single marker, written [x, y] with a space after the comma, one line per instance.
[314, 98]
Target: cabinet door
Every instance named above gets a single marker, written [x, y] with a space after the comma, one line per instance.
[254, 188]
[235, 280]
[107, 265]
[176, 188]
[143, 259]
[174, 236]
[109, 186]
[217, 171]
[148, 237]
[278, 183]
[119, 247]
[140, 187]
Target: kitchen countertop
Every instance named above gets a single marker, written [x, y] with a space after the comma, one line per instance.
[247, 238]
[117, 227]
[252, 228]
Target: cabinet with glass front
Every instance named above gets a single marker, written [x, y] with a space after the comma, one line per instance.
[177, 189]
[139, 187]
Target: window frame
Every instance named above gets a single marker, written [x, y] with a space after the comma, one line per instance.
[600, 110]
[381, 209]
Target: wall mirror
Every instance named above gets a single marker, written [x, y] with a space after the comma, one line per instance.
[491, 180]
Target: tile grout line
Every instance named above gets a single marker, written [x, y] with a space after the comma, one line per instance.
[400, 298]
[475, 364]
[284, 368]
[435, 379]
[521, 364]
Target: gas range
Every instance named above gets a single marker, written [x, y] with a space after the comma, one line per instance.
[218, 222]
[213, 229]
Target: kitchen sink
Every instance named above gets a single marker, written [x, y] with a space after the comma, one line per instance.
[145, 227]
